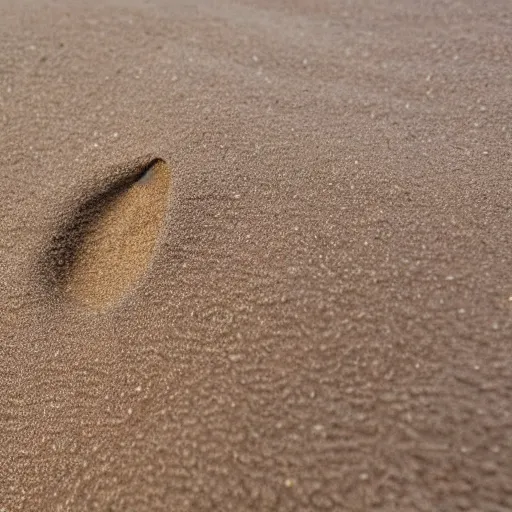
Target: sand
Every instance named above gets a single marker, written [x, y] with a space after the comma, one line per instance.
[308, 308]
[115, 250]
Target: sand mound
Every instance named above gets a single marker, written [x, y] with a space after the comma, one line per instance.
[112, 238]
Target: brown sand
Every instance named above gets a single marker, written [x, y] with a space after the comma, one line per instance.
[325, 322]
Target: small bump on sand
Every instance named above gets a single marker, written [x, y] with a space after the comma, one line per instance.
[118, 244]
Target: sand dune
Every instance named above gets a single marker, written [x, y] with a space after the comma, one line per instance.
[301, 300]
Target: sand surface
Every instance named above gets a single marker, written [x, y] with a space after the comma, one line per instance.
[322, 314]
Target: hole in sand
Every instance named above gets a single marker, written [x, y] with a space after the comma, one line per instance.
[109, 244]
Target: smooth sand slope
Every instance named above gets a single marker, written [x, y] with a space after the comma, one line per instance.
[255, 255]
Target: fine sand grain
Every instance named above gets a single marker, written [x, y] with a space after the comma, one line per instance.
[308, 306]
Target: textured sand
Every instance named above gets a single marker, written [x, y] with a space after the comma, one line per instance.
[325, 320]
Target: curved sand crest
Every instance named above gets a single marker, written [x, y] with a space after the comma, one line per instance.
[117, 239]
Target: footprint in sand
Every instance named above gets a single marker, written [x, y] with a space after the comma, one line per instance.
[108, 245]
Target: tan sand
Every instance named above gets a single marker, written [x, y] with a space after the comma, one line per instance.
[318, 317]
[118, 245]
